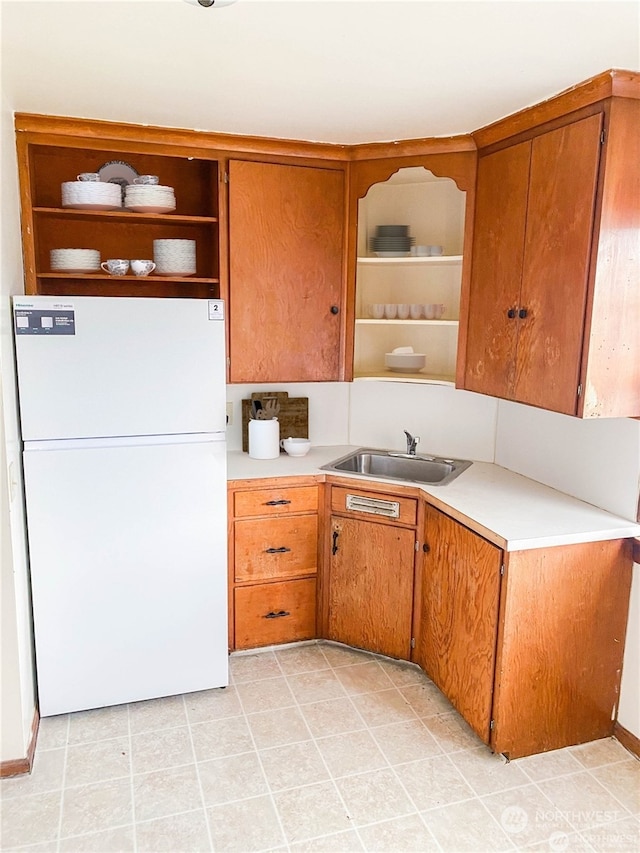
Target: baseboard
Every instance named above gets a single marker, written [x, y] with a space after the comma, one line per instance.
[627, 739]
[19, 766]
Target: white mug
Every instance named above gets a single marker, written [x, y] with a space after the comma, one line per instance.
[89, 176]
[148, 180]
[390, 310]
[140, 267]
[403, 311]
[115, 266]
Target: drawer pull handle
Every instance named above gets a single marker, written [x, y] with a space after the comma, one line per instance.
[277, 503]
[273, 615]
[282, 550]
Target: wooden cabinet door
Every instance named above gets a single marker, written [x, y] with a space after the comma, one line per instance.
[562, 192]
[458, 620]
[496, 271]
[371, 586]
[286, 227]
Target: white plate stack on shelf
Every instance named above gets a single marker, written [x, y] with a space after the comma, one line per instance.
[149, 198]
[392, 241]
[75, 260]
[175, 257]
[91, 195]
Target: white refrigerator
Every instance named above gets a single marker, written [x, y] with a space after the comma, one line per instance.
[123, 419]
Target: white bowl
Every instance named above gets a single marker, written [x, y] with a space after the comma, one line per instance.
[296, 446]
[405, 362]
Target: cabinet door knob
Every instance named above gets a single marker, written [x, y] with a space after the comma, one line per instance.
[277, 550]
[276, 615]
[511, 313]
[522, 313]
[335, 309]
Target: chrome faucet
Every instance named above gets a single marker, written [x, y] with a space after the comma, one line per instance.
[412, 443]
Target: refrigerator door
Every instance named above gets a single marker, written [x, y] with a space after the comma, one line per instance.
[128, 565]
[94, 366]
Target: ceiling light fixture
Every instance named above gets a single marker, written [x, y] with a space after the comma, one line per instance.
[210, 4]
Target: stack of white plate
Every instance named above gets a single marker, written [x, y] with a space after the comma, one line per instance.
[175, 257]
[91, 195]
[75, 260]
[149, 198]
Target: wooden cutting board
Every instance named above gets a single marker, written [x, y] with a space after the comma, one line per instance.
[293, 416]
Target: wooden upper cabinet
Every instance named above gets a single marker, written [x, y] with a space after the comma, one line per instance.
[553, 303]
[286, 237]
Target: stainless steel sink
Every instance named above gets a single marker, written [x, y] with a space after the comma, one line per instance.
[432, 470]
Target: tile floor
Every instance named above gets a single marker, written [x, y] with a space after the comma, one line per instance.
[314, 747]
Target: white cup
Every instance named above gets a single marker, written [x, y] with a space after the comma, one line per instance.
[429, 310]
[140, 267]
[435, 250]
[390, 310]
[420, 251]
[115, 266]
[296, 446]
[148, 180]
[403, 311]
[438, 311]
[89, 176]
[377, 310]
[415, 311]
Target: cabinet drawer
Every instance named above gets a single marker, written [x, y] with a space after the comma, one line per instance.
[276, 501]
[273, 613]
[407, 507]
[275, 547]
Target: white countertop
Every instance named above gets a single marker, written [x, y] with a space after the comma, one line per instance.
[510, 510]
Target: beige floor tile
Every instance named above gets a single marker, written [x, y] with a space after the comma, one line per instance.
[487, 772]
[582, 800]
[99, 724]
[221, 737]
[623, 781]
[623, 835]
[117, 840]
[212, 704]
[46, 775]
[187, 833]
[383, 706]
[332, 717]
[293, 765]
[401, 834]
[245, 826]
[235, 777]
[275, 728]
[527, 816]
[408, 740]
[155, 714]
[452, 733]
[301, 659]
[363, 677]
[93, 808]
[53, 732]
[351, 752]
[253, 667]
[265, 695]
[426, 700]
[98, 761]
[375, 796]
[311, 811]
[156, 750]
[340, 842]
[31, 819]
[166, 792]
[433, 782]
[315, 686]
[546, 765]
[339, 655]
[598, 752]
[466, 826]
[403, 674]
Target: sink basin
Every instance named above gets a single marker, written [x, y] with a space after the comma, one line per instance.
[431, 470]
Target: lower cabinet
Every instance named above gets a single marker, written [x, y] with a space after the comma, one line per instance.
[273, 545]
[370, 571]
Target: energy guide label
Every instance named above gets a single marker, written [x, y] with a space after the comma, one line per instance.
[44, 321]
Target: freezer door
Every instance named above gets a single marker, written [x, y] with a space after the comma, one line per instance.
[92, 367]
[128, 571]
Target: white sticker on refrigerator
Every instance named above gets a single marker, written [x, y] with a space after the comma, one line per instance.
[216, 309]
[44, 321]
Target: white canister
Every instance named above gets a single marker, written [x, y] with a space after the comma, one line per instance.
[264, 439]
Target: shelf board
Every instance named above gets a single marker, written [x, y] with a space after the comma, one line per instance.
[369, 322]
[432, 260]
[128, 215]
[127, 279]
[389, 376]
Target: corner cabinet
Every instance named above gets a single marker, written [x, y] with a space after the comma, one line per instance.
[46, 161]
[433, 204]
[553, 307]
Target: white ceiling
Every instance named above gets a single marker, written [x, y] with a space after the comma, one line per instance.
[328, 70]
